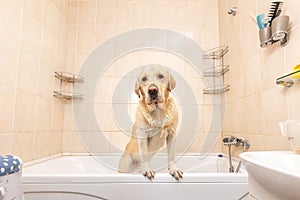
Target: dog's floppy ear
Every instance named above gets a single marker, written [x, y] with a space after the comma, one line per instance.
[172, 82]
[137, 88]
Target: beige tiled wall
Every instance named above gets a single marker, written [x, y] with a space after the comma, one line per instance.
[92, 22]
[33, 35]
[38, 37]
[255, 104]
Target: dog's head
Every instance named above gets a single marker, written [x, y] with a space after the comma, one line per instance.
[154, 84]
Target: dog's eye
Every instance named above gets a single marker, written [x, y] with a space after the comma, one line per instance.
[144, 79]
[160, 76]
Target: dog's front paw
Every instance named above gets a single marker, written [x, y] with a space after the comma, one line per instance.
[175, 172]
[149, 174]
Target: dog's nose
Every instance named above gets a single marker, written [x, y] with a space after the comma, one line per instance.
[152, 90]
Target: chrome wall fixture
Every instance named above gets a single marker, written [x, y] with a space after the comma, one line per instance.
[69, 78]
[237, 142]
[232, 11]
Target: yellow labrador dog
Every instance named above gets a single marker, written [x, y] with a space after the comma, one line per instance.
[155, 125]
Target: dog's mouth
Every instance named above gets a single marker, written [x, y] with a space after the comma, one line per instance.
[153, 97]
[154, 100]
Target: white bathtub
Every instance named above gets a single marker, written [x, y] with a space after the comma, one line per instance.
[87, 178]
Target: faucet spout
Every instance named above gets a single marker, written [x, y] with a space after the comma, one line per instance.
[243, 143]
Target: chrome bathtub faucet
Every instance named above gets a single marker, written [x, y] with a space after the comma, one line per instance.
[237, 142]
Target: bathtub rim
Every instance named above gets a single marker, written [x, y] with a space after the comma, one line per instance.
[134, 178]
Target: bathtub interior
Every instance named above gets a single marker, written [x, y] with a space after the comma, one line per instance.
[108, 164]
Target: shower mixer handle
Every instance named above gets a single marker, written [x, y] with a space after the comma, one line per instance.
[230, 140]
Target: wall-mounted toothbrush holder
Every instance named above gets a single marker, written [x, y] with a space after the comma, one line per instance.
[265, 37]
[277, 32]
[280, 29]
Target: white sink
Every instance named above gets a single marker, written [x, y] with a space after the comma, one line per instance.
[273, 175]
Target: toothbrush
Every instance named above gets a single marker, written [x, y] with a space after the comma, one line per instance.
[259, 20]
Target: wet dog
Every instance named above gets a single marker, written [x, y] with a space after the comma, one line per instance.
[155, 125]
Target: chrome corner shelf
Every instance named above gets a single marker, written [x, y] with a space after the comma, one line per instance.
[216, 89]
[215, 53]
[69, 78]
[288, 80]
[216, 70]
[68, 96]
